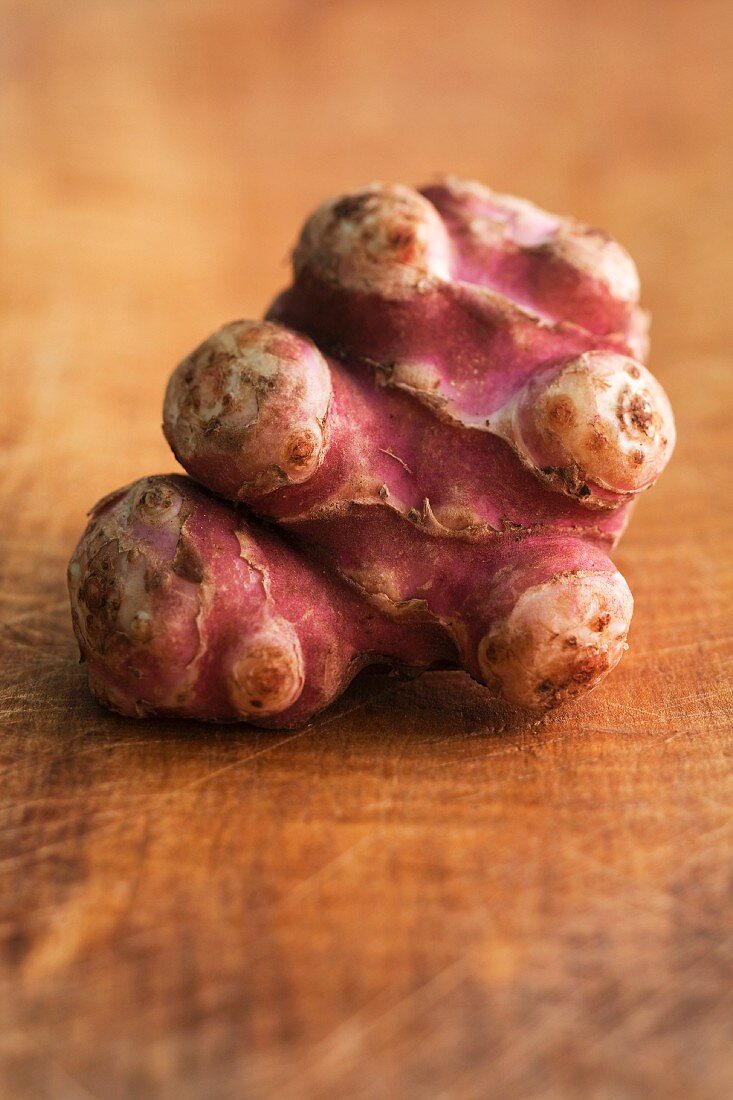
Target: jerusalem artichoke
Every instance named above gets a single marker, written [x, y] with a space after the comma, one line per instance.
[447, 417]
[182, 607]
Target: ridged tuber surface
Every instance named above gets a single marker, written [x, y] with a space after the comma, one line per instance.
[447, 417]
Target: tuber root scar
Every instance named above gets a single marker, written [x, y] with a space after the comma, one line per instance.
[267, 678]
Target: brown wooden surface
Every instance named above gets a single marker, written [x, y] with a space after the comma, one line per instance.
[419, 895]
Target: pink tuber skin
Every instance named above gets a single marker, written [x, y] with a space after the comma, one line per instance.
[448, 408]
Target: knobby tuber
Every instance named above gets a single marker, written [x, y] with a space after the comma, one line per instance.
[442, 426]
[183, 607]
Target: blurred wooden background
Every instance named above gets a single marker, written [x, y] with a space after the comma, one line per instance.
[419, 895]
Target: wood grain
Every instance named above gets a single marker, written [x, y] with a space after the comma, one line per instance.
[419, 895]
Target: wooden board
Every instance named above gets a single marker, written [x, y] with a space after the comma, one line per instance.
[419, 895]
